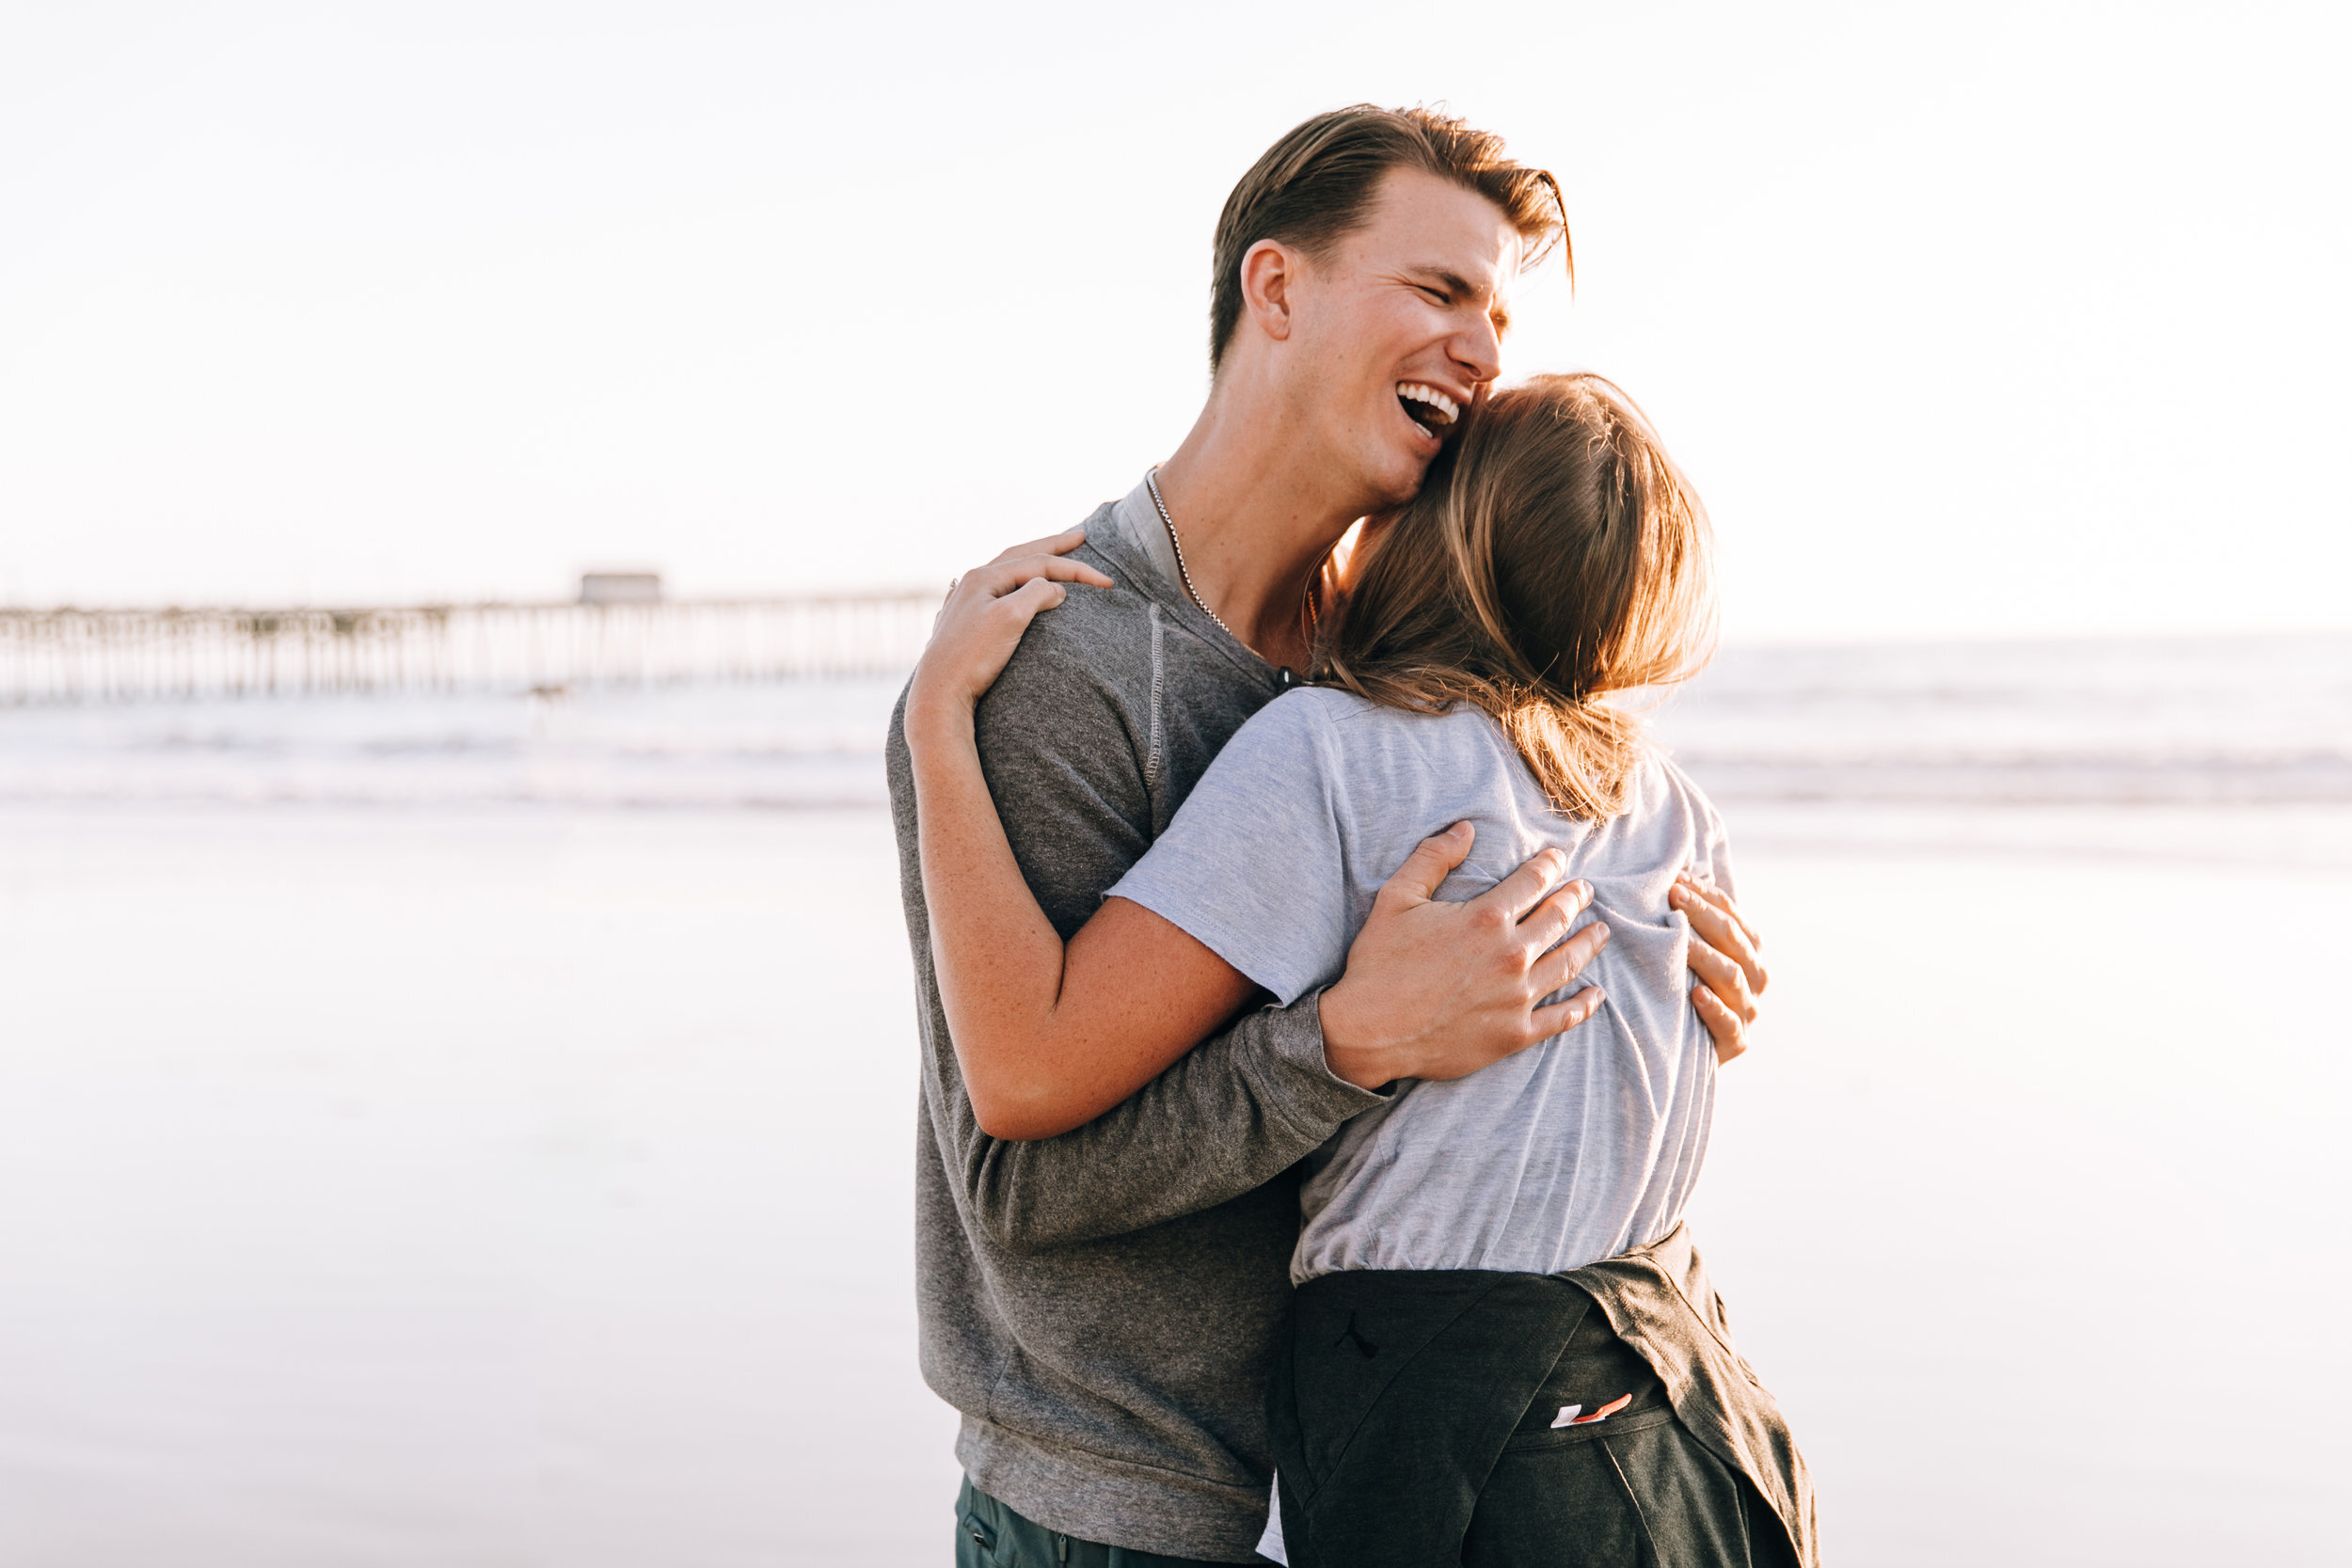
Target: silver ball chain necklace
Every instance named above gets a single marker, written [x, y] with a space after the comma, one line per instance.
[1151, 482]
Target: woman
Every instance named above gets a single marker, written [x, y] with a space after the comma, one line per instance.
[1503, 1346]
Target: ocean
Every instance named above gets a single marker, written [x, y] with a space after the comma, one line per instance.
[2153, 725]
[476, 1129]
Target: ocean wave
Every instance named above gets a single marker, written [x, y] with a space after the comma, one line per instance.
[2250, 722]
[2028, 778]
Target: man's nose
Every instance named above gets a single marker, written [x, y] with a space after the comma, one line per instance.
[1478, 349]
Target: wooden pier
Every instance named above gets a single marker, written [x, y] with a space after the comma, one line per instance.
[91, 655]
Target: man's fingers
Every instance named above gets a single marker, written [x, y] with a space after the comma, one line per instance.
[1548, 922]
[1523, 889]
[1053, 543]
[1568, 960]
[1706, 889]
[1726, 979]
[1717, 927]
[1729, 1029]
[1561, 1017]
[1722, 900]
[1432, 860]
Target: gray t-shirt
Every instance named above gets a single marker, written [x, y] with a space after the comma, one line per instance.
[1135, 519]
[1562, 1155]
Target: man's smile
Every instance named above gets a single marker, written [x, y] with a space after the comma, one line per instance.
[1426, 406]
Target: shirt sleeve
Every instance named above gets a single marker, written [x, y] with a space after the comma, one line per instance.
[1255, 863]
[1225, 1119]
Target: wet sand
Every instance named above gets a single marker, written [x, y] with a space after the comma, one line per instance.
[511, 1186]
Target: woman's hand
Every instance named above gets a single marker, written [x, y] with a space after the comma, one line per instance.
[1723, 956]
[979, 625]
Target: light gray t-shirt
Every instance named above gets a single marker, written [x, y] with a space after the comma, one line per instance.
[1569, 1153]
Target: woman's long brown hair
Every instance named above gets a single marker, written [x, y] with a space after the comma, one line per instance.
[1556, 557]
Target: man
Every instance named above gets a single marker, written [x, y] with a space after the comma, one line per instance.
[1102, 1305]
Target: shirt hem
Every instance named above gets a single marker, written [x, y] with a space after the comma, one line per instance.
[1112, 1502]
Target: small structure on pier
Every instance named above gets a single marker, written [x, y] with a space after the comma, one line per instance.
[620, 588]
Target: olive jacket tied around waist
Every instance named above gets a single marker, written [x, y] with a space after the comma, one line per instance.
[1428, 1418]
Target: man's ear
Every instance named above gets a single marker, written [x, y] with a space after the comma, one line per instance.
[1269, 279]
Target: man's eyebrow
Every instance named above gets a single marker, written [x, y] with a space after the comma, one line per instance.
[1453, 282]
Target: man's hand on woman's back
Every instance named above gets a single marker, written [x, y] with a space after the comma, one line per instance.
[1438, 990]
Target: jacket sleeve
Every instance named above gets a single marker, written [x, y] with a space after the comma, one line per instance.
[1066, 761]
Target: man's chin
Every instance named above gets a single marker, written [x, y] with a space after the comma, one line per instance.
[1387, 473]
[1401, 481]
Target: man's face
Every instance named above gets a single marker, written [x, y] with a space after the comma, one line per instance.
[1399, 329]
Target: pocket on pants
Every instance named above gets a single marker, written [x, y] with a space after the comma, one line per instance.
[1557, 1506]
[976, 1537]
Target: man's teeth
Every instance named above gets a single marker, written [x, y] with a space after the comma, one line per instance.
[1443, 410]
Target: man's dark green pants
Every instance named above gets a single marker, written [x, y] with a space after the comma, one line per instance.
[990, 1535]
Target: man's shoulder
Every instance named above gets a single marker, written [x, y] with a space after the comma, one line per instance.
[1077, 645]
[1101, 636]
[1081, 672]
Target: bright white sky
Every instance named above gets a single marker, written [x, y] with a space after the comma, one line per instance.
[1965, 320]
